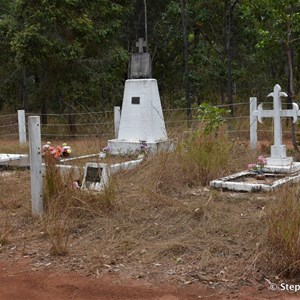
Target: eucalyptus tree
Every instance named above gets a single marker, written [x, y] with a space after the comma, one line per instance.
[8, 75]
[280, 29]
[71, 49]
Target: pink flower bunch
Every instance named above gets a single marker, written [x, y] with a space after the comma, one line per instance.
[106, 149]
[259, 166]
[144, 147]
[261, 161]
[252, 167]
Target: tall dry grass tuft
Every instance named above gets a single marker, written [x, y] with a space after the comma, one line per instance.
[204, 156]
[5, 231]
[66, 207]
[197, 159]
[108, 197]
[283, 233]
[56, 216]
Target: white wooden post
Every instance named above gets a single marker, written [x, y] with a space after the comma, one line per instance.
[253, 123]
[117, 117]
[35, 148]
[22, 126]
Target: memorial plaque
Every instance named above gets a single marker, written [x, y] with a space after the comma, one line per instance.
[135, 100]
[93, 174]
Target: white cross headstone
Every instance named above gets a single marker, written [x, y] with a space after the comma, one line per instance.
[278, 150]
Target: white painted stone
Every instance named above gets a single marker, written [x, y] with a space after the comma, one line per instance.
[78, 157]
[102, 173]
[141, 118]
[277, 166]
[18, 160]
[66, 171]
[105, 171]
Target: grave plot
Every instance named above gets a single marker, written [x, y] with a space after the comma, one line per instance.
[279, 168]
[247, 182]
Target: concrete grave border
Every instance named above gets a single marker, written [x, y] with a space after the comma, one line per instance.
[14, 160]
[228, 183]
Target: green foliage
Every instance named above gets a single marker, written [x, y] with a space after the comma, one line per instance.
[69, 50]
[72, 55]
[212, 117]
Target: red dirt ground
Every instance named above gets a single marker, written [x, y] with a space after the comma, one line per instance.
[19, 282]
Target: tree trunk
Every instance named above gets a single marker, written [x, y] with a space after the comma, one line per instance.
[186, 59]
[146, 25]
[24, 90]
[228, 53]
[291, 91]
[42, 98]
[44, 119]
[72, 119]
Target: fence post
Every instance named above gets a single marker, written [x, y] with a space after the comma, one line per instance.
[36, 176]
[117, 118]
[22, 126]
[253, 123]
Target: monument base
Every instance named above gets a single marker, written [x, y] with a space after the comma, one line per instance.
[124, 147]
[282, 165]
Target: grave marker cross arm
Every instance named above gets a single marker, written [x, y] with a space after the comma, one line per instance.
[277, 113]
[141, 44]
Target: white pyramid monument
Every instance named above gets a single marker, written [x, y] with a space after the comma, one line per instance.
[142, 119]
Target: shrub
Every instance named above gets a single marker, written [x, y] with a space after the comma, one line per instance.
[212, 117]
[197, 159]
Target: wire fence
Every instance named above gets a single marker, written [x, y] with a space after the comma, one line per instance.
[101, 124]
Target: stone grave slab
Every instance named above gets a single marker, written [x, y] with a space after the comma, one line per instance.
[96, 175]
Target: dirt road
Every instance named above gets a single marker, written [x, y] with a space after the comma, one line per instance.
[18, 282]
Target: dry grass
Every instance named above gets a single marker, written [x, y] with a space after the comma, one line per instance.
[14, 203]
[13, 146]
[283, 234]
[64, 206]
[197, 159]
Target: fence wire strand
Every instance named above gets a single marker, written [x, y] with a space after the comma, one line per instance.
[101, 123]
